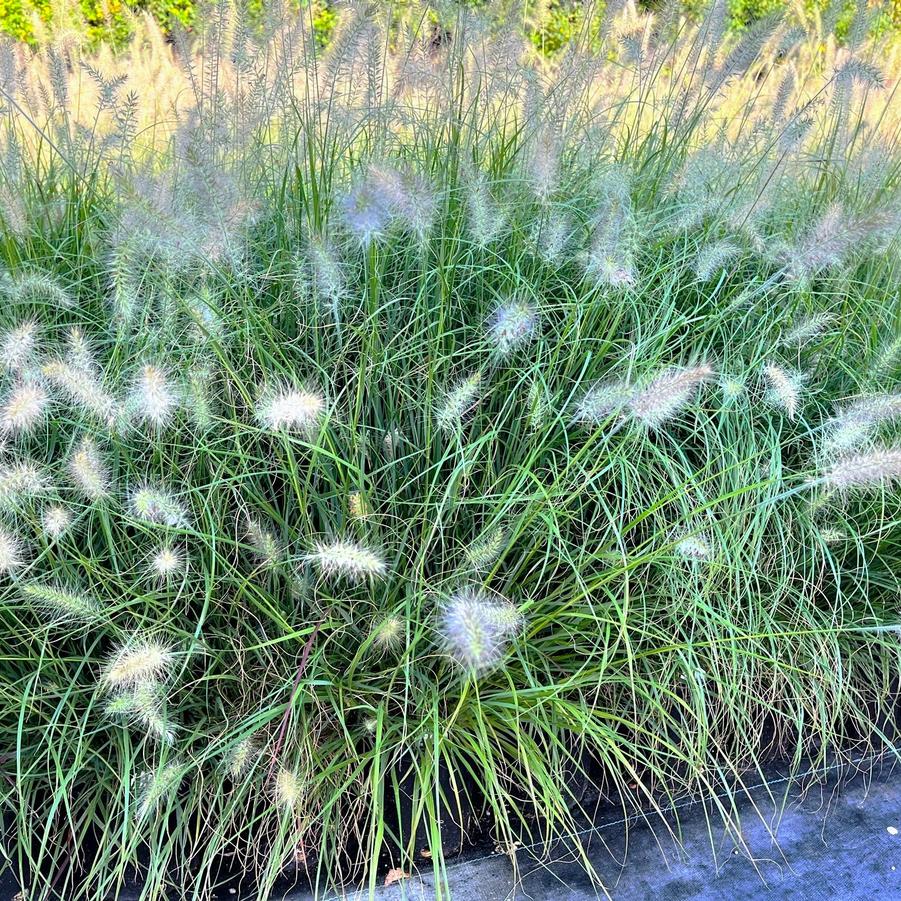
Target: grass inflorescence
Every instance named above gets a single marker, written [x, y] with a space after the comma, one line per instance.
[415, 430]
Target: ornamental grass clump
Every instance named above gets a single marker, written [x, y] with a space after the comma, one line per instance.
[400, 428]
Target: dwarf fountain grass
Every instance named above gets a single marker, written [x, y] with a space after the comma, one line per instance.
[476, 626]
[56, 520]
[78, 350]
[139, 660]
[784, 388]
[18, 345]
[263, 541]
[713, 258]
[808, 328]
[40, 287]
[12, 555]
[63, 603]
[154, 398]
[486, 548]
[512, 325]
[289, 789]
[167, 562]
[357, 507]
[458, 401]
[21, 481]
[666, 394]
[23, 408]
[157, 505]
[80, 385]
[868, 469]
[241, 758]
[387, 632]
[303, 345]
[694, 547]
[340, 558]
[602, 401]
[290, 408]
[155, 788]
[88, 471]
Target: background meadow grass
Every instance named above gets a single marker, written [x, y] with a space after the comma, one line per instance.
[609, 343]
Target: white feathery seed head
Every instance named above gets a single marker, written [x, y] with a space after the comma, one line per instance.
[154, 504]
[458, 401]
[21, 481]
[512, 325]
[167, 562]
[476, 627]
[486, 219]
[713, 258]
[63, 603]
[784, 389]
[155, 787]
[142, 704]
[387, 632]
[56, 520]
[82, 387]
[288, 788]
[291, 409]
[846, 433]
[408, 198]
[241, 758]
[153, 398]
[832, 535]
[139, 660]
[78, 351]
[855, 426]
[23, 408]
[694, 547]
[263, 541]
[367, 210]
[870, 469]
[12, 556]
[538, 405]
[807, 328]
[327, 271]
[663, 397]
[88, 471]
[486, 548]
[732, 388]
[347, 559]
[18, 345]
[602, 401]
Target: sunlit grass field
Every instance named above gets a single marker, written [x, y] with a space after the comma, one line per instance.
[415, 431]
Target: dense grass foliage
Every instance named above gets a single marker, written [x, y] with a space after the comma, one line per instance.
[417, 430]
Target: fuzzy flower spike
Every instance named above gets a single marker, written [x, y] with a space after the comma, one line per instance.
[291, 409]
[667, 394]
[476, 627]
[513, 325]
[347, 559]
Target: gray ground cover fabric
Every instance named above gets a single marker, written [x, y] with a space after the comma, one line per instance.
[840, 839]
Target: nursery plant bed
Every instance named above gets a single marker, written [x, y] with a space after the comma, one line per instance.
[839, 837]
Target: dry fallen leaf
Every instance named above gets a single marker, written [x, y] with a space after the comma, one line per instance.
[395, 875]
[425, 853]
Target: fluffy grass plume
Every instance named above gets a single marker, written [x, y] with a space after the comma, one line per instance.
[136, 662]
[666, 394]
[317, 344]
[347, 559]
[476, 627]
[62, 603]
